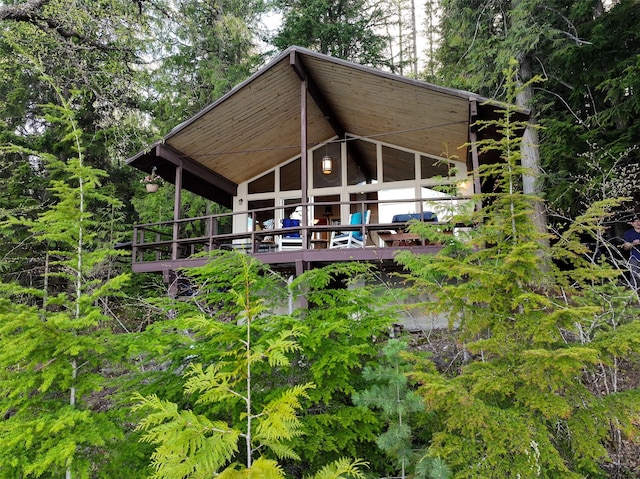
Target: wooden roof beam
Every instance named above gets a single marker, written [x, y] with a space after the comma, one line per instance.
[296, 63]
[189, 165]
[298, 67]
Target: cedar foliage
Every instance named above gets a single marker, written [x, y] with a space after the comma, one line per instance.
[525, 403]
[348, 319]
[242, 401]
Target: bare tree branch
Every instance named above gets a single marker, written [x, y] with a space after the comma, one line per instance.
[573, 35]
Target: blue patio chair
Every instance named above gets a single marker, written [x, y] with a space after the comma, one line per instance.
[290, 241]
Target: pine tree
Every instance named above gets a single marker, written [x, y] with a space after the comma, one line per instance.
[390, 394]
[203, 49]
[343, 29]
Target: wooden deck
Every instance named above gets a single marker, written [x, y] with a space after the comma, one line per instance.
[172, 245]
[296, 261]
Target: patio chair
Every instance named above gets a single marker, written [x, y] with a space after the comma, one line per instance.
[351, 239]
[290, 241]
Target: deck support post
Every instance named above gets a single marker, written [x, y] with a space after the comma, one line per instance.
[170, 277]
[301, 267]
[304, 184]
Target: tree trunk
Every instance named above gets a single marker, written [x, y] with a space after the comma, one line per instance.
[400, 39]
[530, 150]
[414, 39]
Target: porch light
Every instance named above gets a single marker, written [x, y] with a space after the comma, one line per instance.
[327, 165]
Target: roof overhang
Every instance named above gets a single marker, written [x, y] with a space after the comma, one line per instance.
[257, 125]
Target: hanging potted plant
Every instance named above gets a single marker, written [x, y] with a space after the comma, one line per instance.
[152, 182]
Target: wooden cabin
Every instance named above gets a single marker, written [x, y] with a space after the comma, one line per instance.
[317, 160]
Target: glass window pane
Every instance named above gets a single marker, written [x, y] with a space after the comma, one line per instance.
[265, 212]
[326, 207]
[324, 180]
[264, 184]
[362, 163]
[290, 176]
[398, 165]
[430, 168]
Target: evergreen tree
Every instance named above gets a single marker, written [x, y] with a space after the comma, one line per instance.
[54, 339]
[348, 319]
[86, 48]
[344, 29]
[242, 412]
[203, 49]
[390, 394]
[401, 30]
[432, 38]
[590, 105]
[526, 402]
[588, 57]
[83, 46]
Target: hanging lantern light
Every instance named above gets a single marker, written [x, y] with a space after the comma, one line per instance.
[327, 165]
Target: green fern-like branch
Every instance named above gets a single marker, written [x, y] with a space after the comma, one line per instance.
[261, 468]
[213, 384]
[185, 442]
[277, 350]
[278, 420]
[341, 469]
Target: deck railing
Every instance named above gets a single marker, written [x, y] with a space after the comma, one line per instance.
[180, 239]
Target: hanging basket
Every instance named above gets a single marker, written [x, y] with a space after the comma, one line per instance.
[151, 187]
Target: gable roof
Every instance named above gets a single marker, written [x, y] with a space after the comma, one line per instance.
[257, 125]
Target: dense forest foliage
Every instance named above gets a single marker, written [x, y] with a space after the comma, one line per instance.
[103, 376]
[586, 101]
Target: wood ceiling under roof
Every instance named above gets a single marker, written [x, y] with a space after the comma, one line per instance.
[257, 125]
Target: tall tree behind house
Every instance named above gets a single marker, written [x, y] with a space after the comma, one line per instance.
[590, 75]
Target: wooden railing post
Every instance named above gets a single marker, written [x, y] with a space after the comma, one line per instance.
[134, 245]
[176, 212]
[212, 229]
[158, 252]
[252, 238]
[363, 227]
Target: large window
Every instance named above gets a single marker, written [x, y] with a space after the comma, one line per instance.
[290, 176]
[264, 215]
[327, 207]
[431, 167]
